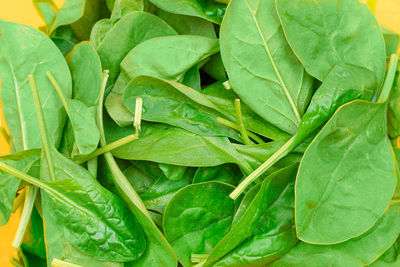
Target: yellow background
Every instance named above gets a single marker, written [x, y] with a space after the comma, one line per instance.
[22, 11]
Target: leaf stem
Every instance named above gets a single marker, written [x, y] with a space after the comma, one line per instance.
[107, 148]
[280, 153]
[242, 128]
[31, 193]
[58, 89]
[5, 134]
[197, 258]
[128, 192]
[387, 85]
[237, 128]
[42, 125]
[92, 166]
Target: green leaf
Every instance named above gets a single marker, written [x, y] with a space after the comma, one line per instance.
[99, 31]
[356, 252]
[157, 142]
[165, 103]
[226, 173]
[22, 161]
[265, 230]
[172, 172]
[187, 24]
[159, 194]
[197, 218]
[354, 180]
[394, 109]
[124, 35]
[206, 9]
[124, 7]
[392, 41]
[328, 33]
[260, 62]
[24, 50]
[33, 241]
[85, 213]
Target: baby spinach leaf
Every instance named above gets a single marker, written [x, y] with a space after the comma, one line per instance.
[93, 213]
[328, 33]
[265, 231]
[71, 11]
[226, 173]
[99, 31]
[206, 9]
[159, 194]
[128, 32]
[192, 78]
[17, 45]
[215, 68]
[22, 161]
[86, 70]
[394, 109]
[197, 218]
[33, 241]
[187, 24]
[172, 172]
[358, 251]
[140, 180]
[123, 7]
[163, 103]
[355, 162]
[157, 142]
[260, 62]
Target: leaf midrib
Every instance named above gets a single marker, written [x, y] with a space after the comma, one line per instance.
[274, 66]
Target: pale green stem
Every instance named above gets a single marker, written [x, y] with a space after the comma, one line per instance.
[60, 263]
[42, 125]
[107, 148]
[242, 128]
[237, 128]
[31, 193]
[58, 89]
[129, 193]
[390, 74]
[197, 258]
[280, 153]
[227, 85]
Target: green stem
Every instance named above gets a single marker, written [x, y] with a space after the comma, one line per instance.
[31, 193]
[197, 258]
[107, 148]
[42, 125]
[60, 263]
[58, 89]
[387, 85]
[242, 128]
[236, 127]
[227, 85]
[280, 153]
[123, 184]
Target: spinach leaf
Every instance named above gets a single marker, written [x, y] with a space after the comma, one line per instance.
[172, 172]
[157, 142]
[159, 194]
[187, 24]
[355, 161]
[197, 218]
[358, 251]
[226, 173]
[163, 103]
[260, 62]
[124, 35]
[206, 9]
[392, 41]
[22, 161]
[17, 45]
[33, 241]
[328, 33]
[93, 213]
[124, 7]
[394, 109]
[265, 231]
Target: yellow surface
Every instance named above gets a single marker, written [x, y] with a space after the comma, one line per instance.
[22, 11]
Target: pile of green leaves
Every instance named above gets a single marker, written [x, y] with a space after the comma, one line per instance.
[202, 132]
